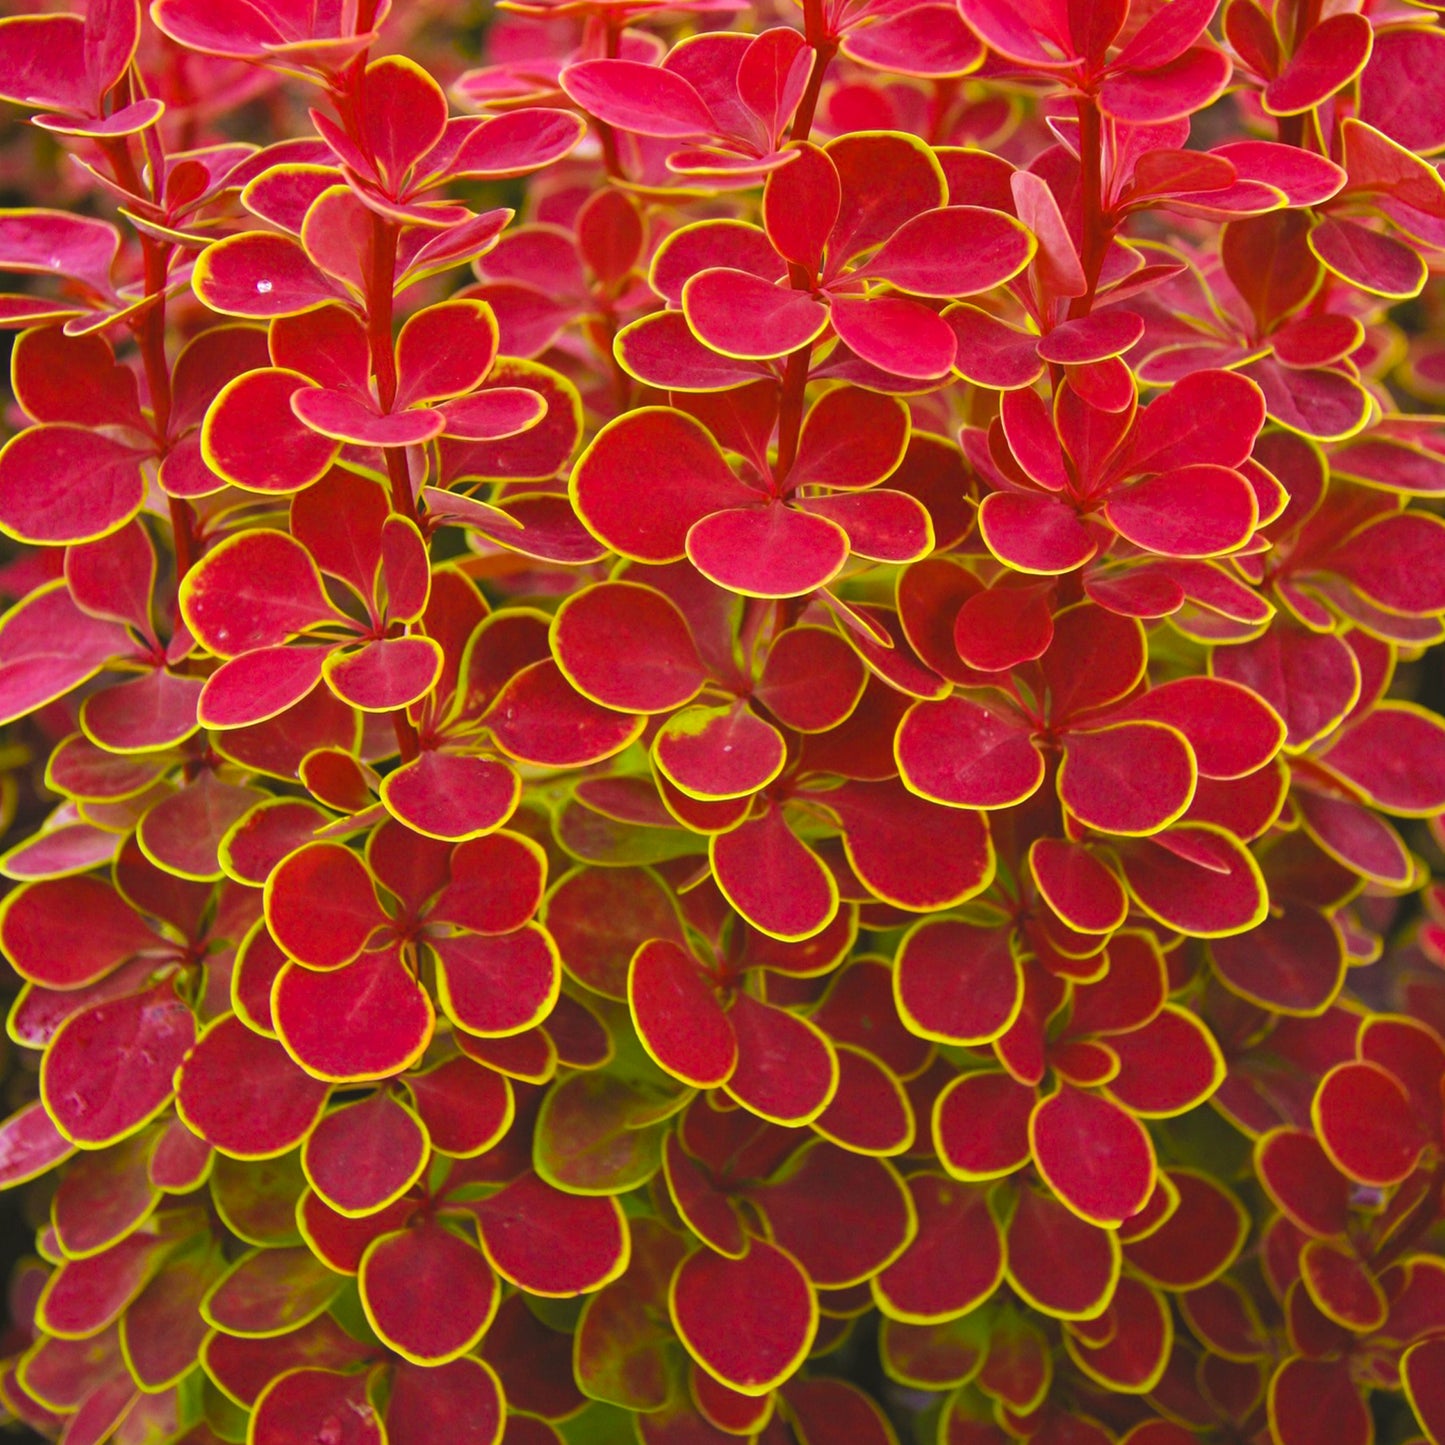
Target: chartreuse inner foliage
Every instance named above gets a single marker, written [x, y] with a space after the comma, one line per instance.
[717, 722]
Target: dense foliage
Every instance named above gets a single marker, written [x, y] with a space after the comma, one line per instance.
[781, 798]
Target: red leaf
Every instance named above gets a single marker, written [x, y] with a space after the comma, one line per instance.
[678, 1017]
[363, 1021]
[772, 878]
[1094, 1156]
[1077, 886]
[850, 439]
[770, 551]
[647, 478]
[1033, 533]
[1294, 962]
[62, 483]
[811, 679]
[362, 1157]
[1198, 879]
[385, 674]
[444, 351]
[1399, 88]
[991, 352]
[302, 1403]
[772, 75]
[550, 1243]
[1198, 1241]
[155, 710]
[460, 1401]
[800, 204]
[255, 590]
[1366, 1123]
[466, 1108]
[1393, 561]
[451, 796]
[1167, 1067]
[1132, 778]
[1376, 263]
[261, 275]
[1342, 1287]
[908, 851]
[1034, 33]
[647, 99]
[1423, 1374]
[30, 1144]
[1059, 1262]
[748, 1322]
[1178, 88]
[321, 906]
[1142, 1330]
[869, 1113]
[953, 1263]
[1314, 1400]
[958, 983]
[1207, 417]
[406, 113]
[259, 685]
[65, 933]
[496, 884]
[516, 142]
[403, 1275]
[627, 646]
[902, 337]
[981, 1125]
[1396, 756]
[1302, 1181]
[959, 752]
[111, 1068]
[242, 1094]
[1194, 511]
[1310, 680]
[954, 251]
[749, 317]
[925, 40]
[497, 985]
[786, 1070]
[718, 752]
[1333, 53]
[48, 646]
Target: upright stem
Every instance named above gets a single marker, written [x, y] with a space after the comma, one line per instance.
[1095, 238]
[825, 47]
[1292, 129]
[1306, 17]
[790, 411]
[407, 740]
[149, 330]
[380, 310]
[1423, 1217]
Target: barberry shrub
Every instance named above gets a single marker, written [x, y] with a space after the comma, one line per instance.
[770, 785]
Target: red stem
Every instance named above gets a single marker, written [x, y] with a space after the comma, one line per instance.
[380, 309]
[408, 741]
[790, 412]
[380, 314]
[1422, 1218]
[1306, 17]
[149, 330]
[1095, 230]
[825, 47]
[807, 108]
